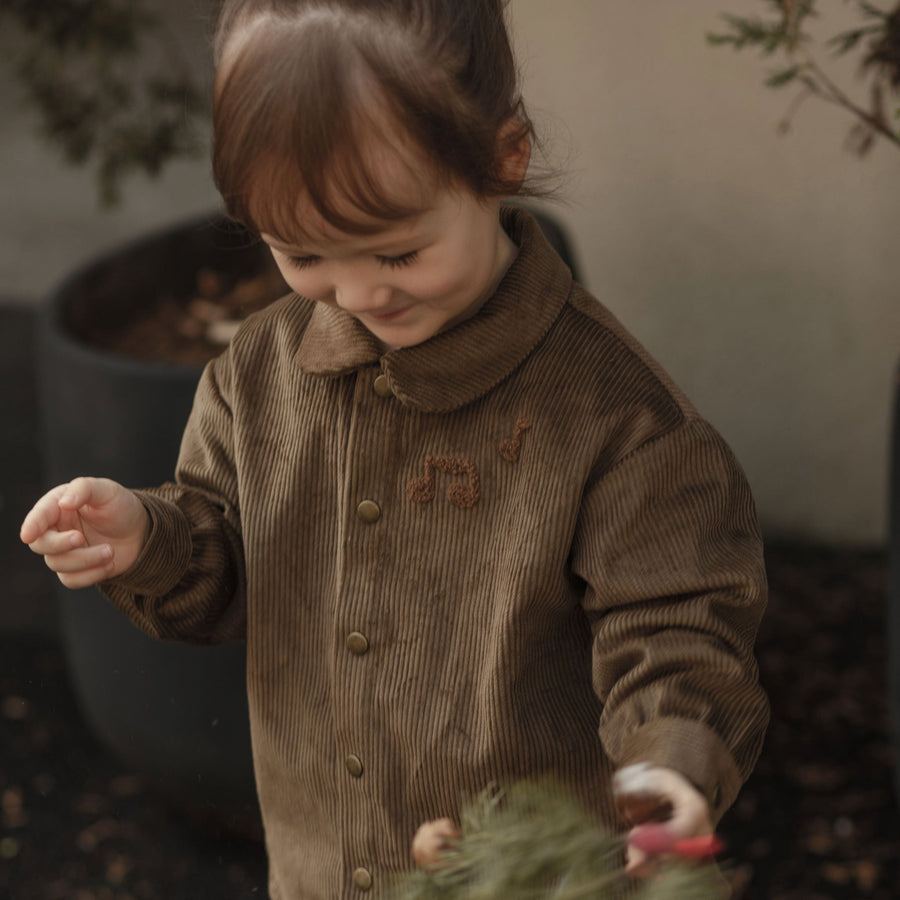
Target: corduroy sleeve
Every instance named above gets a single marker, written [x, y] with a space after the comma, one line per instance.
[669, 548]
[188, 583]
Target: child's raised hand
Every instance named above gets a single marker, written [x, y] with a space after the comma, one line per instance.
[88, 530]
[662, 803]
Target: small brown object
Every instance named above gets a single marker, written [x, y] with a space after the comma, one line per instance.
[465, 496]
[509, 448]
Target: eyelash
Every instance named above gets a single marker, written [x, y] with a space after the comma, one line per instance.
[399, 262]
[302, 262]
[391, 262]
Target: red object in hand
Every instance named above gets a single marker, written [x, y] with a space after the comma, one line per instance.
[657, 840]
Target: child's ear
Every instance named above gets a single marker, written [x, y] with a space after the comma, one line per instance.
[513, 153]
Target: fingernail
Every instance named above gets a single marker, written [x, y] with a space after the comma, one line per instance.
[75, 540]
[66, 498]
[106, 551]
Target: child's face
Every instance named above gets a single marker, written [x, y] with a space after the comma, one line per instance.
[412, 278]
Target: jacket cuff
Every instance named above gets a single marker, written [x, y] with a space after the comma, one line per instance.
[692, 749]
[164, 559]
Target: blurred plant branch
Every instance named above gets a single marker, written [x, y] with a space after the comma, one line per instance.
[534, 841]
[785, 32]
[109, 82]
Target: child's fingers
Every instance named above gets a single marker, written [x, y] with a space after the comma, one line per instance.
[53, 542]
[85, 578]
[83, 560]
[42, 516]
[87, 492]
[431, 840]
[636, 861]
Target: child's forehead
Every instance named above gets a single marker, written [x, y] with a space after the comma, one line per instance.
[319, 237]
[367, 189]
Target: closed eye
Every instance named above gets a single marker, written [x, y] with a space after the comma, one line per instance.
[303, 262]
[399, 262]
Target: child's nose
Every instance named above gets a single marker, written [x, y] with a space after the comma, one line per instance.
[360, 296]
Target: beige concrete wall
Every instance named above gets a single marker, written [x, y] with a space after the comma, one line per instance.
[762, 270]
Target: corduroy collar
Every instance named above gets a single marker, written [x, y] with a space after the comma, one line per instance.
[457, 366]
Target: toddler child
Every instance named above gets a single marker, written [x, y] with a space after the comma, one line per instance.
[470, 531]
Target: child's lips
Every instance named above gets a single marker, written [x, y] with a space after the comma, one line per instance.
[389, 316]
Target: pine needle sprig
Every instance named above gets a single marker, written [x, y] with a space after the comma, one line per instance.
[533, 841]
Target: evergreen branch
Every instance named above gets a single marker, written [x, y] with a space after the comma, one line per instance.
[752, 32]
[881, 38]
[784, 77]
[873, 12]
[848, 40]
[832, 93]
[534, 842]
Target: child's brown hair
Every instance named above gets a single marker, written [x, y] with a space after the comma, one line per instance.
[303, 85]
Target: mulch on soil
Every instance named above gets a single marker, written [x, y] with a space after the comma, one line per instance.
[818, 819]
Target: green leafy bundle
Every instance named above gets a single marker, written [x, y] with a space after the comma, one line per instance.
[534, 842]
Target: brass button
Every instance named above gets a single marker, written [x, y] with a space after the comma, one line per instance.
[369, 511]
[357, 644]
[362, 878]
[354, 765]
[383, 386]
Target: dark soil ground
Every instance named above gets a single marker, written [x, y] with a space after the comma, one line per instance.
[818, 819]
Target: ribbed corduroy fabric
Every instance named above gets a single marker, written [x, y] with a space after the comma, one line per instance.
[514, 549]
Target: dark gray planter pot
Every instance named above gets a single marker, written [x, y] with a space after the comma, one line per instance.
[894, 581]
[178, 714]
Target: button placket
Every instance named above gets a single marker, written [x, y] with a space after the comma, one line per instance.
[369, 459]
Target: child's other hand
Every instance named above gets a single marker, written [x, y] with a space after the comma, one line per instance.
[648, 794]
[432, 839]
[88, 530]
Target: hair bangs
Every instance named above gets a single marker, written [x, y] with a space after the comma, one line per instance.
[283, 202]
[299, 129]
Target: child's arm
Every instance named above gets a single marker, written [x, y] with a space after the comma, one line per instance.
[188, 583]
[88, 530]
[170, 558]
[670, 552]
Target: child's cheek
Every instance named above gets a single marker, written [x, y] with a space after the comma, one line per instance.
[306, 285]
[439, 285]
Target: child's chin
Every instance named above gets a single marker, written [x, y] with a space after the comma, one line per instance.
[397, 340]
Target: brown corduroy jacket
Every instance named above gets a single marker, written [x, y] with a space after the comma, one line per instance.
[513, 549]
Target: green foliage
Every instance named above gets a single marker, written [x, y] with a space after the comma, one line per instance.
[534, 842]
[876, 39]
[785, 76]
[108, 84]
